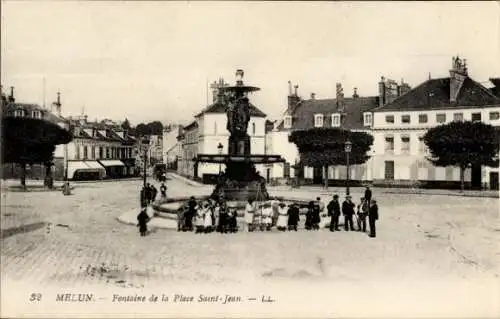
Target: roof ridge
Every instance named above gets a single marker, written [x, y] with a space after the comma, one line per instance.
[406, 93]
[482, 87]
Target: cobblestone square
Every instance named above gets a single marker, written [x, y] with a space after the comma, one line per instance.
[70, 241]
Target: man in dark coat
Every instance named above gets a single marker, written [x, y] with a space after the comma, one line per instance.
[348, 212]
[154, 192]
[147, 193]
[143, 220]
[316, 218]
[293, 217]
[334, 211]
[373, 217]
[368, 195]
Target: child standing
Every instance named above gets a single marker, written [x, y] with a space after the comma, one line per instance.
[200, 219]
[249, 214]
[267, 216]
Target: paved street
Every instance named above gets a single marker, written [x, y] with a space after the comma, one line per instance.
[67, 241]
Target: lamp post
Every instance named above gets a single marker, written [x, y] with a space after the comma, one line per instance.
[348, 148]
[219, 148]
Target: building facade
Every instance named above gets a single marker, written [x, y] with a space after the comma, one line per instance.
[399, 152]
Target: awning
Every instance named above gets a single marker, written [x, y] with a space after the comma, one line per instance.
[94, 165]
[74, 166]
[108, 163]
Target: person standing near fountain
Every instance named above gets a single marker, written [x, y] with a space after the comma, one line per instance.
[191, 213]
[249, 214]
[282, 217]
[143, 220]
[293, 217]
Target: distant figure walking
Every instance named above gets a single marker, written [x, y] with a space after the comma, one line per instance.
[316, 216]
[348, 212]
[372, 218]
[163, 191]
[143, 220]
[334, 212]
[293, 217]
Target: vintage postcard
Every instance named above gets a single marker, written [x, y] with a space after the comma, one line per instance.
[170, 159]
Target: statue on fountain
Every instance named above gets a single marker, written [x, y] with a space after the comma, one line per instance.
[240, 179]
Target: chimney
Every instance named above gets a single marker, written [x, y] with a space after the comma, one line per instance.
[11, 96]
[458, 74]
[289, 88]
[355, 94]
[313, 96]
[381, 91]
[340, 97]
[293, 99]
[296, 90]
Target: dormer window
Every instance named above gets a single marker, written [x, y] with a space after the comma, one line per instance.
[367, 119]
[335, 120]
[37, 114]
[18, 113]
[288, 121]
[318, 120]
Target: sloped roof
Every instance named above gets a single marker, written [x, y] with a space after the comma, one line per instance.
[218, 107]
[47, 114]
[303, 117]
[435, 94]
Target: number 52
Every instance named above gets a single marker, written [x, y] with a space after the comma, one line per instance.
[36, 297]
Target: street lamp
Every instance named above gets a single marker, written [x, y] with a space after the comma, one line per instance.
[219, 148]
[348, 148]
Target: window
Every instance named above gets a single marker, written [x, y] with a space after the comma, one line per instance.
[107, 152]
[253, 128]
[92, 152]
[18, 113]
[368, 119]
[288, 121]
[85, 152]
[389, 170]
[422, 118]
[335, 120]
[318, 120]
[77, 151]
[476, 117]
[458, 116]
[405, 144]
[422, 148]
[389, 144]
[494, 116]
[441, 117]
[100, 152]
[389, 118]
[37, 114]
[405, 119]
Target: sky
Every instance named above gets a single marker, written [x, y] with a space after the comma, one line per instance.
[149, 61]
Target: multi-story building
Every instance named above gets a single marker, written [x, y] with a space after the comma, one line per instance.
[171, 146]
[188, 139]
[340, 112]
[98, 150]
[15, 109]
[399, 152]
[155, 149]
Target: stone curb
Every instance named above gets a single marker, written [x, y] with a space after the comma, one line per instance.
[185, 180]
[130, 218]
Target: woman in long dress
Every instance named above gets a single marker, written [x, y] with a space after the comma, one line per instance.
[200, 218]
[249, 214]
[208, 218]
[282, 217]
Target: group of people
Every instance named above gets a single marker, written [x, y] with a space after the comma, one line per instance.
[208, 216]
[149, 193]
[214, 215]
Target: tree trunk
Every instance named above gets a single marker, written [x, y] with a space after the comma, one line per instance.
[462, 178]
[23, 174]
[325, 176]
[49, 180]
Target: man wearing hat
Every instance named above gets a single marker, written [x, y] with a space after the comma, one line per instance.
[373, 217]
[348, 212]
[334, 212]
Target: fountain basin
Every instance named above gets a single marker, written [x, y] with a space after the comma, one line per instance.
[168, 208]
